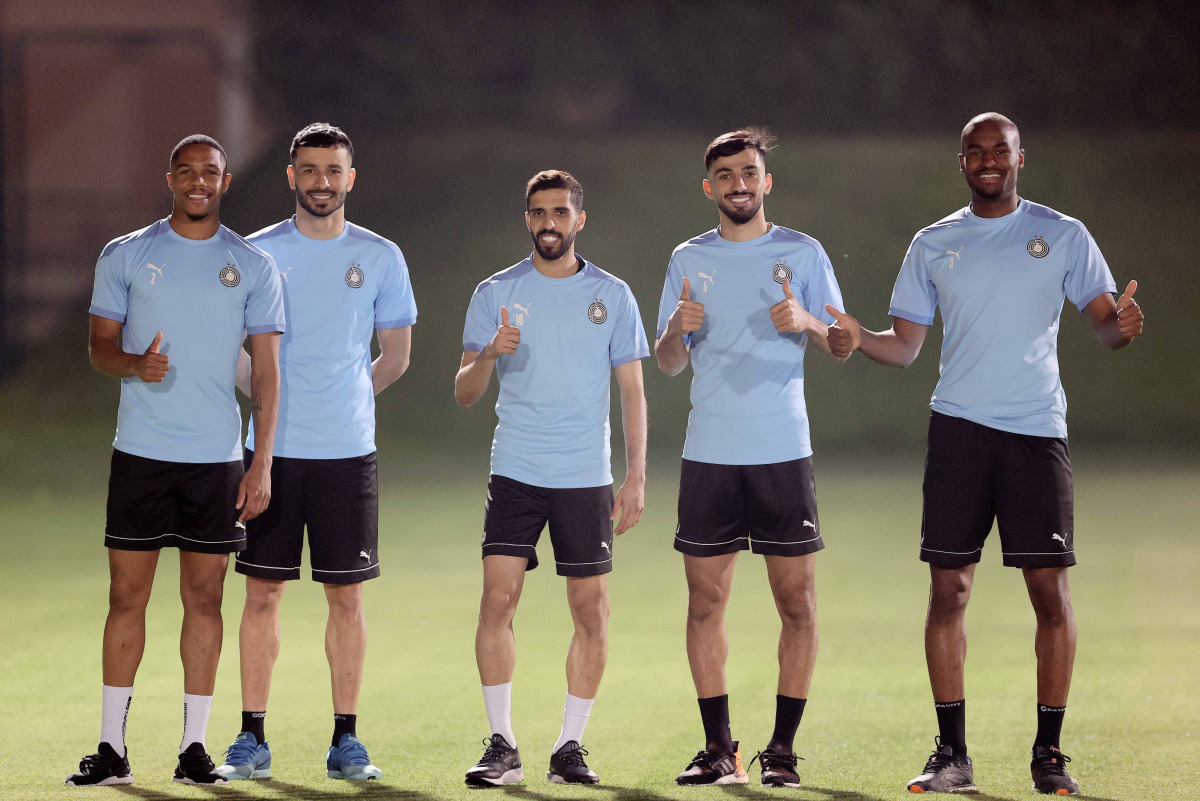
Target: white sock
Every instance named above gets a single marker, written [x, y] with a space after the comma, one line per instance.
[195, 719]
[114, 713]
[497, 699]
[575, 718]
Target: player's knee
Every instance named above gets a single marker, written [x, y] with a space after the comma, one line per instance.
[497, 606]
[263, 597]
[1053, 612]
[591, 616]
[797, 608]
[705, 605]
[128, 598]
[202, 599]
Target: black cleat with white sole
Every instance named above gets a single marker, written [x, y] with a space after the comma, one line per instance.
[778, 767]
[500, 764]
[945, 772]
[567, 766]
[196, 767]
[102, 769]
[1049, 771]
[715, 767]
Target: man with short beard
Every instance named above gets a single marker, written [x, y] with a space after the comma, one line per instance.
[999, 270]
[740, 303]
[171, 306]
[342, 283]
[553, 328]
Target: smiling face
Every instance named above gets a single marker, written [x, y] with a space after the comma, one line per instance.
[738, 184]
[553, 222]
[322, 177]
[197, 181]
[990, 158]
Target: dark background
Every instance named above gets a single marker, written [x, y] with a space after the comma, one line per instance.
[453, 106]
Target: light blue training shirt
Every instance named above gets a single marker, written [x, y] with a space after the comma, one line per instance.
[205, 296]
[552, 411]
[1000, 284]
[337, 292]
[747, 378]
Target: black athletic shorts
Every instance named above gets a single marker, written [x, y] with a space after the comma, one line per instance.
[154, 504]
[770, 509]
[974, 474]
[337, 500]
[581, 531]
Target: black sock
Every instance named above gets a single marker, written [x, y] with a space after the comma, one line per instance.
[788, 712]
[714, 712]
[1050, 720]
[343, 724]
[253, 722]
[952, 725]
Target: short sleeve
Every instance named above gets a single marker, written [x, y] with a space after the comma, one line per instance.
[482, 321]
[822, 288]
[395, 306]
[264, 305]
[628, 341]
[672, 288]
[914, 298]
[110, 293]
[1088, 276]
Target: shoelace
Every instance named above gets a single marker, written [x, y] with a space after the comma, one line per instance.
[771, 760]
[937, 760]
[493, 750]
[354, 753]
[704, 759]
[241, 752]
[197, 761]
[574, 756]
[1055, 763]
[91, 762]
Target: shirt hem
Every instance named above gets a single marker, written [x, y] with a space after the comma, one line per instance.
[912, 318]
[107, 314]
[273, 328]
[402, 323]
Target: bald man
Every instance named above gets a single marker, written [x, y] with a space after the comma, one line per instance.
[999, 270]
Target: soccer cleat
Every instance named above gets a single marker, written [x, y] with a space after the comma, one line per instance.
[195, 767]
[348, 760]
[945, 772]
[778, 769]
[102, 768]
[246, 758]
[1049, 771]
[715, 767]
[567, 766]
[500, 764]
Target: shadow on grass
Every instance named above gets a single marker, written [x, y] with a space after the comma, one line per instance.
[222, 790]
[747, 791]
[616, 793]
[352, 790]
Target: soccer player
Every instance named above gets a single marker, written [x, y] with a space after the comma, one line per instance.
[552, 327]
[740, 303]
[341, 282]
[171, 306]
[999, 270]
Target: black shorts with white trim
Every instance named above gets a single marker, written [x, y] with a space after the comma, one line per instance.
[337, 500]
[975, 474]
[580, 523]
[156, 504]
[770, 509]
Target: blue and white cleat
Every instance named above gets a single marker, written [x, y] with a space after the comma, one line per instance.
[348, 760]
[247, 759]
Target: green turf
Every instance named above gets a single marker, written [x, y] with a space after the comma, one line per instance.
[1133, 724]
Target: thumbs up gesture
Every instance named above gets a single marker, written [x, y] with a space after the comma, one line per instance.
[688, 315]
[788, 315]
[152, 366]
[844, 335]
[1129, 313]
[507, 337]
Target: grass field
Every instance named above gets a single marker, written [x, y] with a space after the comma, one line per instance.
[1133, 727]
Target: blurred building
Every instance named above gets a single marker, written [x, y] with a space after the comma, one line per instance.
[92, 99]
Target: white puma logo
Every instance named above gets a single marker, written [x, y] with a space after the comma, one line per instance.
[604, 545]
[810, 524]
[523, 309]
[239, 524]
[1060, 539]
[954, 254]
[366, 554]
[283, 273]
[708, 278]
[158, 272]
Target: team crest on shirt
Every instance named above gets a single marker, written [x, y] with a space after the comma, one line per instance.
[1038, 248]
[781, 272]
[597, 313]
[230, 276]
[354, 276]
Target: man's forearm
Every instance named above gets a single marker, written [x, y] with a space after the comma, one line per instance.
[473, 379]
[672, 353]
[887, 347]
[634, 423]
[108, 358]
[264, 406]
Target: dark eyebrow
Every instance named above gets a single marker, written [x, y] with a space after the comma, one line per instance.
[190, 164]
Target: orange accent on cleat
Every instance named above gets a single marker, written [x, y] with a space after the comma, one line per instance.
[1062, 791]
[915, 789]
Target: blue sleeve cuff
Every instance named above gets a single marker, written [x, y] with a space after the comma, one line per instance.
[919, 319]
[107, 314]
[396, 323]
[473, 346]
[1087, 297]
[633, 357]
[273, 328]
